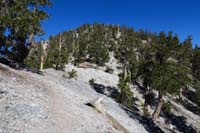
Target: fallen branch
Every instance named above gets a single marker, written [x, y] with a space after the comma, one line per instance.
[97, 105]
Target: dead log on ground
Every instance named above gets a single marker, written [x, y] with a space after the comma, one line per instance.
[97, 105]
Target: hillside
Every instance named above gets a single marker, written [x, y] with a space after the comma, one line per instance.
[99, 77]
[52, 103]
[136, 80]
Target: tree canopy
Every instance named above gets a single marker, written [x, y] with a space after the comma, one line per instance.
[19, 22]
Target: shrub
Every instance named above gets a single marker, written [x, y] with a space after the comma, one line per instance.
[109, 70]
[197, 94]
[126, 96]
[145, 111]
[92, 81]
[64, 76]
[72, 74]
[167, 107]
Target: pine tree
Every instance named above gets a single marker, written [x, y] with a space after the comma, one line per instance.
[97, 49]
[167, 77]
[185, 52]
[196, 63]
[161, 71]
[126, 96]
[57, 54]
[18, 21]
[33, 59]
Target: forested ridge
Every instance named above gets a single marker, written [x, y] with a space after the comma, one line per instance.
[160, 60]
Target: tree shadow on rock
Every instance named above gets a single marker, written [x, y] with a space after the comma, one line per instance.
[133, 112]
[149, 96]
[190, 107]
[192, 97]
[107, 90]
[147, 122]
[179, 122]
[19, 66]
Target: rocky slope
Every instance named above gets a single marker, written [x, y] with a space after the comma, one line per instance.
[52, 103]
[32, 103]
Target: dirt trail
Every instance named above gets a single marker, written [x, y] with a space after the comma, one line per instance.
[56, 107]
[58, 110]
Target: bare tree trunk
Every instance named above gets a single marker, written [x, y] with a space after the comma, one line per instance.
[97, 105]
[125, 74]
[42, 62]
[59, 51]
[147, 92]
[158, 107]
[60, 43]
[43, 54]
[31, 38]
[182, 89]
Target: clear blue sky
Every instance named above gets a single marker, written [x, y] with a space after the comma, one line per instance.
[180, 16]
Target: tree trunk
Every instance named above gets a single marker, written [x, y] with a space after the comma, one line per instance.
[181, 96]
[42, 62]
[125, 74]
[147, 92]
[97, 105]
[158, 107]
[60, 43]
[31, 38]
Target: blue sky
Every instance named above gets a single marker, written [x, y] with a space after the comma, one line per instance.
[180, 16]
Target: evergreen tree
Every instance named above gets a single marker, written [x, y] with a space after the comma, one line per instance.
[97, 49]
[167, 77]
[57, 54]
[160, 70]
[185, 52]
[33, 59]
[146, 65]
[126, 96]
[18, 21]
[196, 63]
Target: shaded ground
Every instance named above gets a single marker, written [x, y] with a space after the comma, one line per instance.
[179, 122]
[112, 92]
[191, 95]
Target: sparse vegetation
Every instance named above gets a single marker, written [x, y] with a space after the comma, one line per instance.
[65, 76]
[92, 81]
[167, 107]
[109, 70]
[196, 97]
[126, 96]
[145, 111]
[72, 74]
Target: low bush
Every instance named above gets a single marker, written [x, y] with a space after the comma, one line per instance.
[145, 111]
[126, 96]
[72, 74]
[167, 107]
[109, 70]
[64, 76]
[92, 81]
